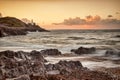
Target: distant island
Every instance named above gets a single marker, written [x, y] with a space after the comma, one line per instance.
[13, 26]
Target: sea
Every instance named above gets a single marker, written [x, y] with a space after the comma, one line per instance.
[64, 41]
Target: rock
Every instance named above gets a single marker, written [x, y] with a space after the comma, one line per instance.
[37, 77]
[1, 33]
[32, 67]
[117, 36]
[115, 71]
[56, 77]
[14, 55]
[23, 78]
[5, 31]
[36, 55]
[77, 74]
[14, 64]
[83, 50]
[13, 26]
[47, 77]
[64, 67]
[112, 53]
[8, 53]
[88, 75]
[1, 74]
[76, 38]
[50, 52]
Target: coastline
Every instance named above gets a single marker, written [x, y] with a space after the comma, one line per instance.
[46, 59]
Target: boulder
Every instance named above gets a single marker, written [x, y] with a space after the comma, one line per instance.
[1, 33]
[37, 77]
[23, 78]
[117, 36]
[50, 52]
[64, 67]
[89, 75]
[82, 50]
[15, 64]
[56, 77]
[5, 31]
[112, 53]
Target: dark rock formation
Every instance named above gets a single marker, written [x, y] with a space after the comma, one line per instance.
[83, 50]
[89, 75]
[112, 53]
[23, 78]
[13, 26]
[74, 75]
[1, 33]
[37, 77]
[112, 71]
[55, 77]
[51, 52]
[14, 64]
[117, 36]
[31, 66]
[64, 67]
[76, 38]
[5, 31]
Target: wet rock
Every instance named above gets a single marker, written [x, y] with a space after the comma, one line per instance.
[115, 72]
[5, 31]
[56, 77]
[33, 67]
[14, 64]
[117, 36]
[37, 77]
[23, 78]
[12, 54]
[64, 67]
[51, 52]
[1, 74]
[47, 77]
[77, 74]
[89, 75]
[112, 53]
[8, 53]
[83, 50]
[76, 38]
[1, 33]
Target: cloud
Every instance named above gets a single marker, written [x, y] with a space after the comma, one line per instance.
[92, 19]
[72, 21]
[110, 21]
[89, 20]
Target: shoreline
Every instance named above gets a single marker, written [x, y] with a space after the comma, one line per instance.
[52, 63]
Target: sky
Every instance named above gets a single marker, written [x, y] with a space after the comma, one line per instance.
[65, 14]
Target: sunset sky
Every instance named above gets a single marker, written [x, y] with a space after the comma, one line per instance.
[65, 14]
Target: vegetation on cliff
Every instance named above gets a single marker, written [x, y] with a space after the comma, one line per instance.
[14, 26]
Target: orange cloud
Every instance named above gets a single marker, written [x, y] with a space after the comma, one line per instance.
[89, 20]
[92, 19]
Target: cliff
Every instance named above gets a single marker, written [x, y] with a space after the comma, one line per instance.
[13, 26]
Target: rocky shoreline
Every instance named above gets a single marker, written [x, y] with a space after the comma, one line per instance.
[11, 26]
[33, 65]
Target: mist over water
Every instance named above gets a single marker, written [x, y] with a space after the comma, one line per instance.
[64, 40]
